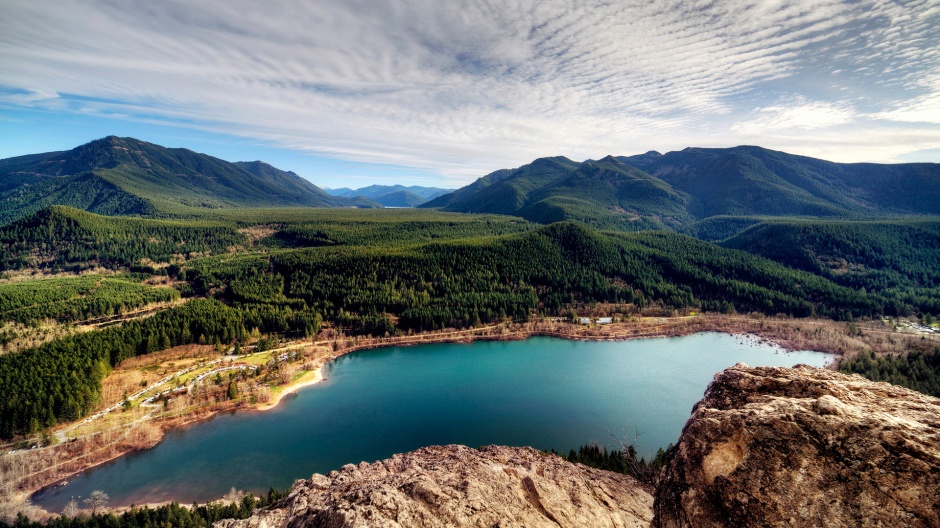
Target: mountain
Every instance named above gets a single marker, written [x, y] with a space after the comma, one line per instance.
[607, 194]
[126, 176]
[392, 195]
[400, 199]
[673, 190]
[750, 180]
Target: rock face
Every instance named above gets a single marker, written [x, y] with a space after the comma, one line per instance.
[459, 486]
[804, 447]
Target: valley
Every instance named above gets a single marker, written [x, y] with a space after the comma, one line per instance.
[186, 300]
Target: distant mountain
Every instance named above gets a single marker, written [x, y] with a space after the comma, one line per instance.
[392, 195]
[607, 193]
[400, 199]
[336, 192]
[126, 176]
[672, 190]
[749, 180]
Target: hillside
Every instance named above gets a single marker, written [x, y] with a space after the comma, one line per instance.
[63, 238]
[674, 190]
[125, 176]
[748, 180]
[896, 255]
[606, 194]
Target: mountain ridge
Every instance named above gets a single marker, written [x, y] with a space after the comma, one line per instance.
[127, 176]
[392, 195]
[675, 189]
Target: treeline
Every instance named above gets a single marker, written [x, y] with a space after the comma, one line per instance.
[918, 370]
[61, 380]
[62, 238]
[76, 298]
[169, 515]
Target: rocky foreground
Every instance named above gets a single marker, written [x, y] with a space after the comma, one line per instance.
[804, 447]
[765, 447]
[458, 486]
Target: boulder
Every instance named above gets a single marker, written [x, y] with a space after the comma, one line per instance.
[804, 447]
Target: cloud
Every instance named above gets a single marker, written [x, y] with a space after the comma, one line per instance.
[795, 113]
[465, 87]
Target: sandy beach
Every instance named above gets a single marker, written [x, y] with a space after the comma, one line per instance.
[311, 377]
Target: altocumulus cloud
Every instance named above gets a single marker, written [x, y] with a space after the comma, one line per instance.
[464, 87]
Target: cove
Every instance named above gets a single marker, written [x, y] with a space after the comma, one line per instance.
[543, 392]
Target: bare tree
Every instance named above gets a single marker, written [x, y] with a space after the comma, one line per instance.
[635, 467]
[98, 500]
[233, 495]
[71, 508]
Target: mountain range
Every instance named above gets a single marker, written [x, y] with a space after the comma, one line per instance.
[392, 195]
[673, 190]
[712, 193]
[126, 176]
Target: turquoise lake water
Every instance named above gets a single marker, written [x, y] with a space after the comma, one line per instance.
[544, 392]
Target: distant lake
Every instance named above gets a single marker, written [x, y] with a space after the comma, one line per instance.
[544, 392]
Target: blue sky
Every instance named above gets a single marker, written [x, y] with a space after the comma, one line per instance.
[355, 92]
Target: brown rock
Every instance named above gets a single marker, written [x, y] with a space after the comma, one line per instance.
[459, 486]
[804, 447]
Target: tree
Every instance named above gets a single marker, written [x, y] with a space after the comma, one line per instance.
[232, 390]
[71, 508]
[98, 500]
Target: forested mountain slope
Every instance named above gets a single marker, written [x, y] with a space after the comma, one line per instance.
[125, 176]
[607, 194]
[673, 190]
[749, 180]
[899, 256]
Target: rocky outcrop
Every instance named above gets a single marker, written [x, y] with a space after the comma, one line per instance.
[459, 486]
[804, 447]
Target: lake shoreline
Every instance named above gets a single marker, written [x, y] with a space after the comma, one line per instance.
[770, 330]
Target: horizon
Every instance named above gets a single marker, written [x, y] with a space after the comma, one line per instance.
[415, 93]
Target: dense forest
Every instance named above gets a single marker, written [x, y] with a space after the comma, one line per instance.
[68, 299]
[918, 370]
[897, 258]
[62, 238]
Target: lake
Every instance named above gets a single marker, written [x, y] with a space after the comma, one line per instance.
[544, 392]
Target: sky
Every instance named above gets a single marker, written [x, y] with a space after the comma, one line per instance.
[424, 92]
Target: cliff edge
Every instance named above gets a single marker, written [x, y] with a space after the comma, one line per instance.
[804, 446]
[458, 486]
